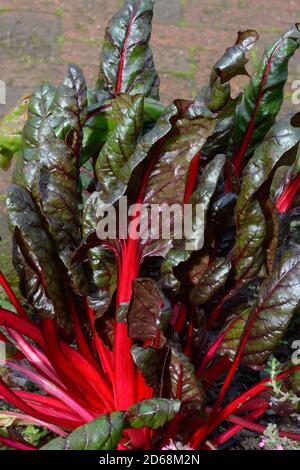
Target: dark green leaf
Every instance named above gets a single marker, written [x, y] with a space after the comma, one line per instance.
[150, 362]
[36, 248]
[126, 61]
[114, 165]
[153, 413]
[248, 252]
[262, 98]
[101, 259]
[281, 138]
[213, 279]
[231, 64]
[103, 433]
[58, 185]
[38, 108]
[278, 298]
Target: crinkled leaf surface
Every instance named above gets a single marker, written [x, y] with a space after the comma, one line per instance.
[38, 108]
[213, 279]
[37, 250]
[101, 260]
[262, 97]
[150, 361]
[248, 252]
[103, 433]
[126, 61]
[280, 139]
[113, 166]
[153, 413]
[180, 379]
[278, 298]
[58, 185]
[144, 313]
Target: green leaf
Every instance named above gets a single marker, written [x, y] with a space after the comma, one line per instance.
[113, 167]
[201, 199]
[180, 380]
[103, 433]
[38, 108]
[101, 260]
[168, 179]
[262, 98]
[248, 252]
[38, 253]
[150, 362]
[271, 314]
[57, 190]
[283, 136]
[153, 413]
[231, 64]
[212, 280]
[126, 61]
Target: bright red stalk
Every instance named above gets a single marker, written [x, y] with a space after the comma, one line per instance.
[192, 177]
[125, 394]
[104, 354]
[15, 444]
[286, 198]
[12, 297]
[229, 409]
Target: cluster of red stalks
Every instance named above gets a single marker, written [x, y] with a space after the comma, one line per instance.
[80, 383]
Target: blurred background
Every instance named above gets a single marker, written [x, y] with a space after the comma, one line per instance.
[39, 37]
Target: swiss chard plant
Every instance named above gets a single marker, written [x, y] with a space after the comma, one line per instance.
[135, 342]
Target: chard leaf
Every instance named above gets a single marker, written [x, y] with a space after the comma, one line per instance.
[231, 64]
[201, 199]
[37, 250]
[180, 380]
[103, 433]
[126, 61]
[150, 362]
[101, 260]
[213, 279]
[114, 166]
[248, 252]
[271, 314]
[262, 98]
[153, 413]
[169, 180]
[58, 185]
[144, 314]
[30, 284]
[38, 109]
[283, 136]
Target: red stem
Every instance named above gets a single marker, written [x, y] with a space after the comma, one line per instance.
[13, 299]
[285, 200]
[223, 414]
